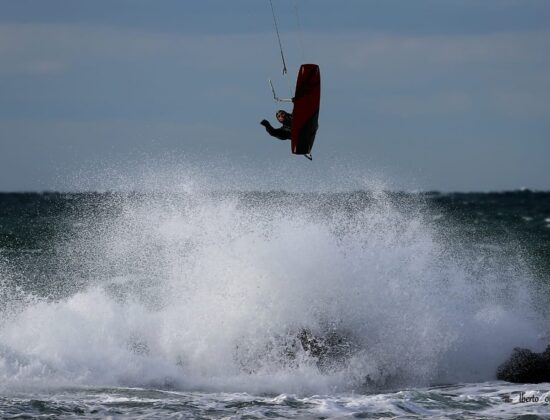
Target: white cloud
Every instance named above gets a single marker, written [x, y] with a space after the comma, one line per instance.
[359, 51]
[44, 67]
[22, 46]
[433, 104]
[504, 74]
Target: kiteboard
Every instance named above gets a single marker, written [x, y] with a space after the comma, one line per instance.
[305, 114]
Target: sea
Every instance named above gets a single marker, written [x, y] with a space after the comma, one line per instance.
[196, 304]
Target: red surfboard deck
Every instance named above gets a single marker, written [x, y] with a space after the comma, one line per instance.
[305, 115]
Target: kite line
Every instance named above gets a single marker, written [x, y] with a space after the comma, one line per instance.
[278, 37]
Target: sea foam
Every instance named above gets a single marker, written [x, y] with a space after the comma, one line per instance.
[205, 291]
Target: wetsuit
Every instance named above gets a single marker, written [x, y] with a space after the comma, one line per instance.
[282, 133]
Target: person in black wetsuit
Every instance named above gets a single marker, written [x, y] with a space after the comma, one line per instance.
[282, 133]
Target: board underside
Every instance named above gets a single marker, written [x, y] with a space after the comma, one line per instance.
[305, 115]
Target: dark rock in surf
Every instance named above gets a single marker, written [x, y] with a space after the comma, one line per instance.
[526, 367]
[330, 350]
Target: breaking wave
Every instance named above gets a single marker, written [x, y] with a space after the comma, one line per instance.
[211, 291]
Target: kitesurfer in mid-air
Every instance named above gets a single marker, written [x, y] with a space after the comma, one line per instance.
[282, 133]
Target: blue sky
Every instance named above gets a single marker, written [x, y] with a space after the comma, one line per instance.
[417, 95]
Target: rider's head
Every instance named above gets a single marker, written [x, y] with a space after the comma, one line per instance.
[280, 114]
